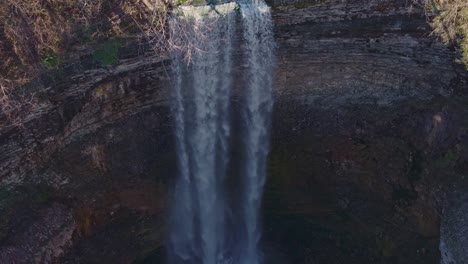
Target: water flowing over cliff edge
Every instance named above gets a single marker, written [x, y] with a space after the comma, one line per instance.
[204, 228]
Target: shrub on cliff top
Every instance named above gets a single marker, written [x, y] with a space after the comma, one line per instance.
[450, 22]
[34, 34]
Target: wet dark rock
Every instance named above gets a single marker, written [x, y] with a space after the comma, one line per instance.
[41, 235]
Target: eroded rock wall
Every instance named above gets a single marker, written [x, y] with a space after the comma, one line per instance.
[360, 52]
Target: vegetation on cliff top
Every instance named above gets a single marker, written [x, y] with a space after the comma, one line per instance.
[450, 22]
[34, 36]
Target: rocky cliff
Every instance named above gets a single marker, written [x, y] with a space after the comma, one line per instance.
[369, 133]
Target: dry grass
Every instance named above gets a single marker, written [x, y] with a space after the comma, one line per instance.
[28, 31]
[451, 23]
[14, 107]
[152, 19]
[449, 19]
[31, 31]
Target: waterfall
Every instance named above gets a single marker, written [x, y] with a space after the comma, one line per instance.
[258, 37]
[202, 82]
[201, 96]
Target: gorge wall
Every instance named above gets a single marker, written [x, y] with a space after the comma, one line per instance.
[369, 133]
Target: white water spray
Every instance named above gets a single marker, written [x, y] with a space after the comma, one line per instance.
[202, 87]
[201, 91]
[258, 37]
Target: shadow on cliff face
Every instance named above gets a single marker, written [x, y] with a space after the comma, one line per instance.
[120, 188]
[364, 189]
[100, 198]
[367, 187]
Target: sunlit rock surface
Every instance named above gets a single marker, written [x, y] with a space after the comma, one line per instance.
[359, 52]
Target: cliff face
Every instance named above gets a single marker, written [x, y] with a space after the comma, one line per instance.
[359, 52]
[369, 132]
[99, 150]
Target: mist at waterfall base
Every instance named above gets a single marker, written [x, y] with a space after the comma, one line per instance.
[216, 199]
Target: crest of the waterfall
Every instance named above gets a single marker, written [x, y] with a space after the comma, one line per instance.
[192, 28]
[202, 38]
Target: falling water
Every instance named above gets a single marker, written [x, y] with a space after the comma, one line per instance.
[203, 79]
[202, 91]
[258, 37]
